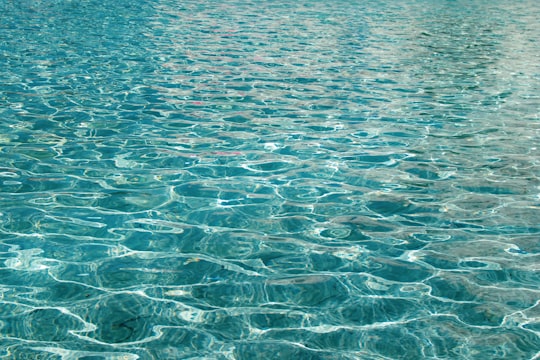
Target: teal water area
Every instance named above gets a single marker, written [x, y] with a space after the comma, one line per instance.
[269, 179]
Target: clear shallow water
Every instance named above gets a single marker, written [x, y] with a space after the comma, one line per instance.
[275, 180]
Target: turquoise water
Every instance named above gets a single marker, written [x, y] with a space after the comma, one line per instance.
[269, 180]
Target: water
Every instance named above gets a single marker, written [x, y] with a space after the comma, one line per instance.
[269, 180]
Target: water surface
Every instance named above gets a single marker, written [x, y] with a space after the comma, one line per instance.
[269, 180]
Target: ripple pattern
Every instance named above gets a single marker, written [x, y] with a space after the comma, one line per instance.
[269, 180]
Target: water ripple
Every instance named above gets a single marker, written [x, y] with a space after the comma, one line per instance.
[267, 180]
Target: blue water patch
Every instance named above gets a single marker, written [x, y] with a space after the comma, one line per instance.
[269, 180]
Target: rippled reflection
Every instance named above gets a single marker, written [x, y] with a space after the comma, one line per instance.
[269, 180]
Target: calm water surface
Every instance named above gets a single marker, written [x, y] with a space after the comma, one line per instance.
[269, 179]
